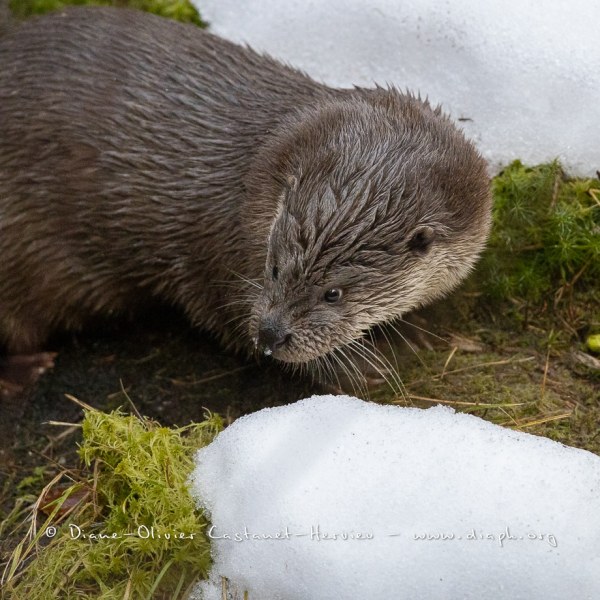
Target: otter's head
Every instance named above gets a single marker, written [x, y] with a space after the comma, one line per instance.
[381, 206]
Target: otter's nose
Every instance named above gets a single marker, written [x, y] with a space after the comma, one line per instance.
[272, 335]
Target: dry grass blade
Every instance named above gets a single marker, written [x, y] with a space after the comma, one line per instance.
[450, 356]
[463, 403]
[493, 363]
[29, 543]
[543, 420]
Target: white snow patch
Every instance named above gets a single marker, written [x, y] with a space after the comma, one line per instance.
[526, 74]
[524, 511]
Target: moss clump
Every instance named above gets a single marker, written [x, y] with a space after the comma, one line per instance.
[130, 528]
[546, 234]
[180, 10]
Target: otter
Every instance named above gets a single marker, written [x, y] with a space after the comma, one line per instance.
[144, 159]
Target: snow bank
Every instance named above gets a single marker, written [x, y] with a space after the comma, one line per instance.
[525, 74]
[520, 514]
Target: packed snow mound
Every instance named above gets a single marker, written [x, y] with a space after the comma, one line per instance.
[336, 498]
[524, 75]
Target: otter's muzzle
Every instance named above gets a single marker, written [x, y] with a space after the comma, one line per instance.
[272, 335]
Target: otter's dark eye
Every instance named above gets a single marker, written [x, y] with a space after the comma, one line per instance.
[422, 239]
[275, 272]
[333, 295]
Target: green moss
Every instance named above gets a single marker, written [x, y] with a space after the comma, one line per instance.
[545, 237]
[136, 492]
[181, 10]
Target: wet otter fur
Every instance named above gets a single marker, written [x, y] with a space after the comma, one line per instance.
[145, 159]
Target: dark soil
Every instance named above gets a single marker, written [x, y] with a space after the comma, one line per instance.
[158, 364]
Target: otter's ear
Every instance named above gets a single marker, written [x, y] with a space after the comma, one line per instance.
[421, 239]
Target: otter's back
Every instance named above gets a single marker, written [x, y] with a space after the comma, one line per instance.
[124, 142]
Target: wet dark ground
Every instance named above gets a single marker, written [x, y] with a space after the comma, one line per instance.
[169, 371]
[159, 367]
